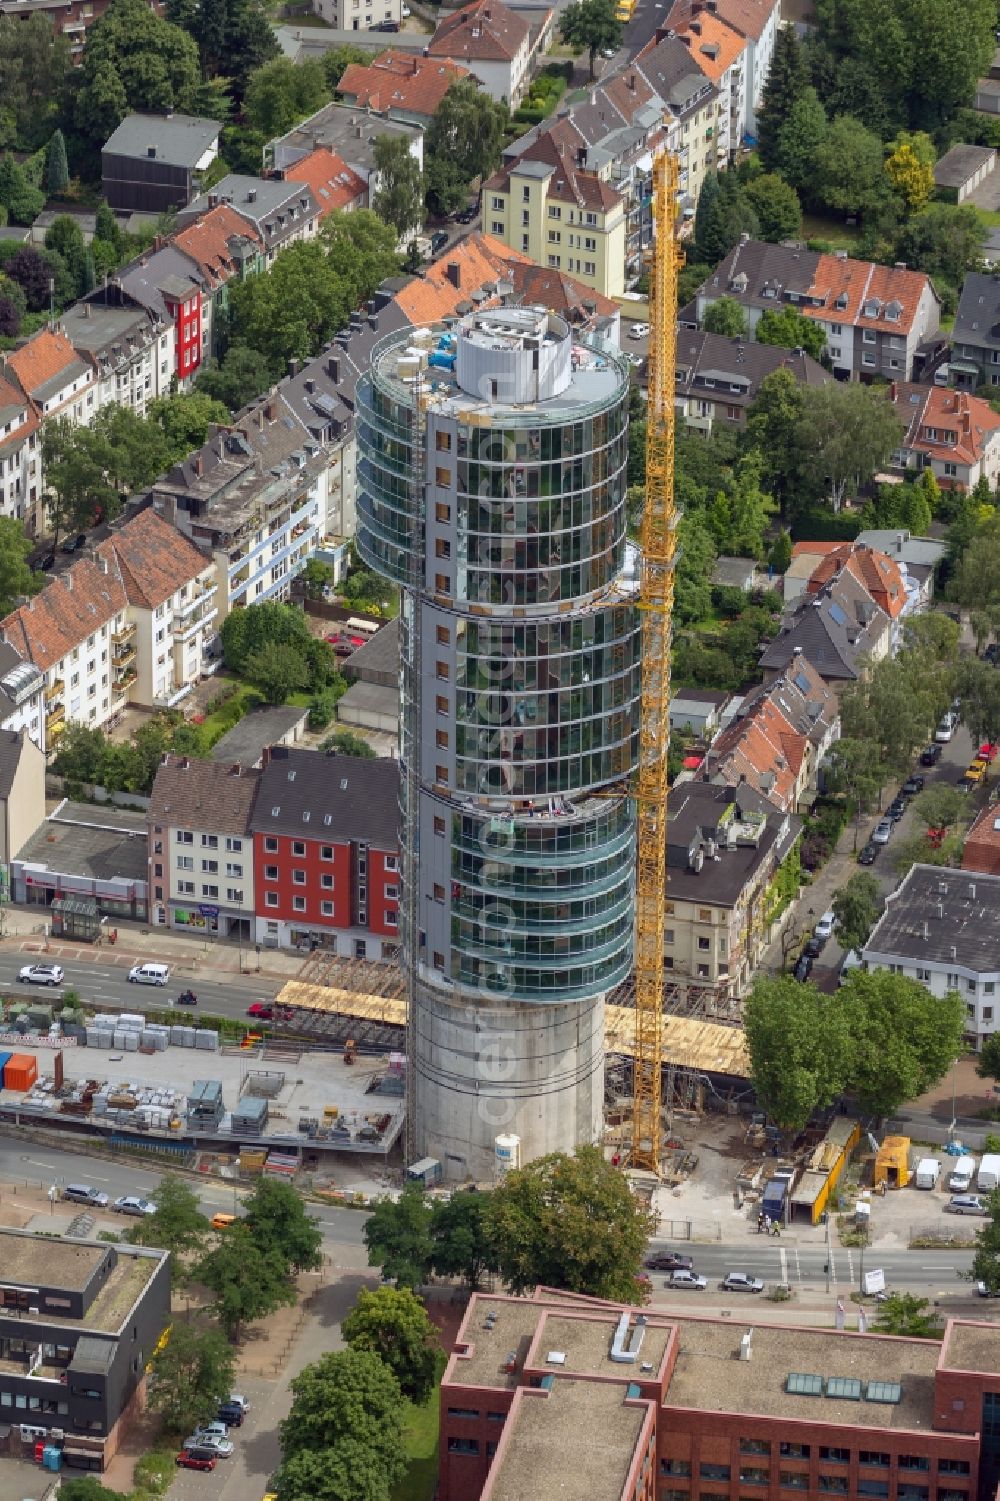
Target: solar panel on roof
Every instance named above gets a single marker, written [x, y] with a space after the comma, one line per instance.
[801, 681]
[884, 1391]
[838, 614]
[844, 1386]
[804, 1385]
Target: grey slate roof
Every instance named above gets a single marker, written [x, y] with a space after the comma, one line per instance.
[978, 318]
[147, 278]
[192, 794]
[779, 267]
[276, 208]
[378, 660]
[351, 133]
[180, 140]
[741, 363]
[668, 69]
[835, 629]
[955, 168]
[958, 910]
[315, 796]
[696, 808]
[247, 741]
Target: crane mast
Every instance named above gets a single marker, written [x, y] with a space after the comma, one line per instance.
[656, 599]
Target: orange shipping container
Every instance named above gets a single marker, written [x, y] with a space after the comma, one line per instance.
[20, 1072]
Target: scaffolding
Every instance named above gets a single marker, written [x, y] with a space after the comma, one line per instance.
[656, 597]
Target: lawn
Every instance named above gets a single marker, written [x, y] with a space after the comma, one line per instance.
[420, 1433]
[835, 231]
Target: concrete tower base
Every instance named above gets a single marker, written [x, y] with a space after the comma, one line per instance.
[480, 1071]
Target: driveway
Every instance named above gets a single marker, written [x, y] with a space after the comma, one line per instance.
[815, 899]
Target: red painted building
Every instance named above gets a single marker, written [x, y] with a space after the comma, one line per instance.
[326, 853]
[563, 1395]
[183, 304]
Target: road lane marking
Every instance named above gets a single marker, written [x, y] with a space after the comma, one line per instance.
[784, 1264]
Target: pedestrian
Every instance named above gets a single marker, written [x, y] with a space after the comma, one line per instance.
[767, 1224]
[775, 1228]
[760, 1223]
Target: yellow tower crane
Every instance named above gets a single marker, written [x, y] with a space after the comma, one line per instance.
[656, 600]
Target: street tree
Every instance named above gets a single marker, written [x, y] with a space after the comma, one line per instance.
[194, 1373]
[349, 1394]
[787, 81]
[988, 1059]
[247, 1283]
[904, 1038]
[392, 1323]
[907, 1316]
[845, 432]
[399, 196]
[940, 806]
[592, 26]
[853, 772]
[800, 1049]
[464, 141]
[790, 329]
[277, 1221]
[986, 1260]
[975, 584]
[345, 1471]
[857, 907]
[16, 576]
[933, 634]
[178, 1226]
[398, 1236]
[892, 709]
[460, 1238]
[727, 317]
[978, 686]
[569, 1221]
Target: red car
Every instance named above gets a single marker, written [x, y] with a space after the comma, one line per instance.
[189, 1461]
[987, 752]
[261, 1010]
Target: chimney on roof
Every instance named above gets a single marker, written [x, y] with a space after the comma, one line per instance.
[696, 28]
[333, 369]
[199, 465]
[293, 369]
[453, 271]
[900, 266]
[893, 390]
[234, 769]
[796, 651]
[270, 410]
[184, 763]
[630, 82]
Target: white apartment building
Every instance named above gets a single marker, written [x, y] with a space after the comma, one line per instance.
[20, 457]
[130, 348]
[22, 696]
[55, 377]
[201, 872]
[942, 927]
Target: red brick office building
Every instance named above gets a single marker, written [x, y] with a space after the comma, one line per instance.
[326, 853]
[558, 1395]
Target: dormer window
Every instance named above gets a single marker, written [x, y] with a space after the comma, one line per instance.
[841, 301]
[872, 307]
[894, 311]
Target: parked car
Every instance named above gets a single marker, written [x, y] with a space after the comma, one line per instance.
[41, 974]
[945, 729]
[638, 330]
[896, 809]
[261, 1010]
[237, 1399]
[912, 786]
[213, 1442]
[987, 1292]
[47, 563]
[882, 832]
[824, 928]
[966, 1204]
[685, 1277]
[668, 1261]
[868, 854]
[930, 755]
[73, 544]
[218, 1429]
[813, 948]
[468, 214]
[82, 1193]
[189, 1461]
[132, 1204]
[741, 1282]
[231, 1415]
[987, 752]
[439, 240]
[803, 968]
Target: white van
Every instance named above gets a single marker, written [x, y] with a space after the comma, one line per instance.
[961, 1176]
[988, 1177]
[149, 974]
[928, 1172]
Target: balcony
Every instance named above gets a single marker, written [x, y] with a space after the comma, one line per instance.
[120, 659]
[127, 633]
[192, 604]
[172, 696]
[56, 691]
[55, 720]
[123, 680]
[186, 630]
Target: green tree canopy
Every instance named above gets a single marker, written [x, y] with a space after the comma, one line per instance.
[393, 1324]
[245, 632]
[790, 329]
[350, 1394]
[800, 1049]
[247, 1283]
[16, 576]
[282, 92]
[988, 1061]
[399, 195]
[135, 60]
[904, 1038]
[56, 165]
[857, 906]
[240, 376]
[592, 26]
[986, 1261]
[787, 81]
[725, 316]
[34, 65]
[194, 1373]
[464, 141]
[907, 1316]
[345, 1471]
[277, 1221]
[776, 204]
[773, 421]
[178, 1226]
[798, 141]
[398, 1236]
[278, 670]
[460, 1237]
[845, 432]
[569, 1221]
[849, 175]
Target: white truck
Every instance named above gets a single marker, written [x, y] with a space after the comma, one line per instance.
[988, 1177]
[928, 1172]
[961, 1176]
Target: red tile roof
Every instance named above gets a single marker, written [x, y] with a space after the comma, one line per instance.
[557, 146]
[209, 242]
[485, 30]
[45, 356]
[714, 46]
[862, 284]
[153, 559]
[400, 80]
[982, 844]
[969, 421]
[334, 184]
[748, 17]
[461, 271]
[875, 571]
[69, 609]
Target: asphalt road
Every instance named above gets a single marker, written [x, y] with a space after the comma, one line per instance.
[19, 1160]
[105, 982]
[931, 1274]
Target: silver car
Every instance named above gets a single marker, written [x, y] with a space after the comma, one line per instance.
[131, 1204]
[882, 832]
[41, 974]
[966, 1204]
[742, 1282]
[212, 1441]
[684, 1277]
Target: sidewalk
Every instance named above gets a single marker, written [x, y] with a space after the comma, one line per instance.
[25, 930]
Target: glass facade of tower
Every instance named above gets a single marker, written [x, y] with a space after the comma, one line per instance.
[492, 480]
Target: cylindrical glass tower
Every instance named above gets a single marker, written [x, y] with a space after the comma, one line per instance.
[492, 476]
